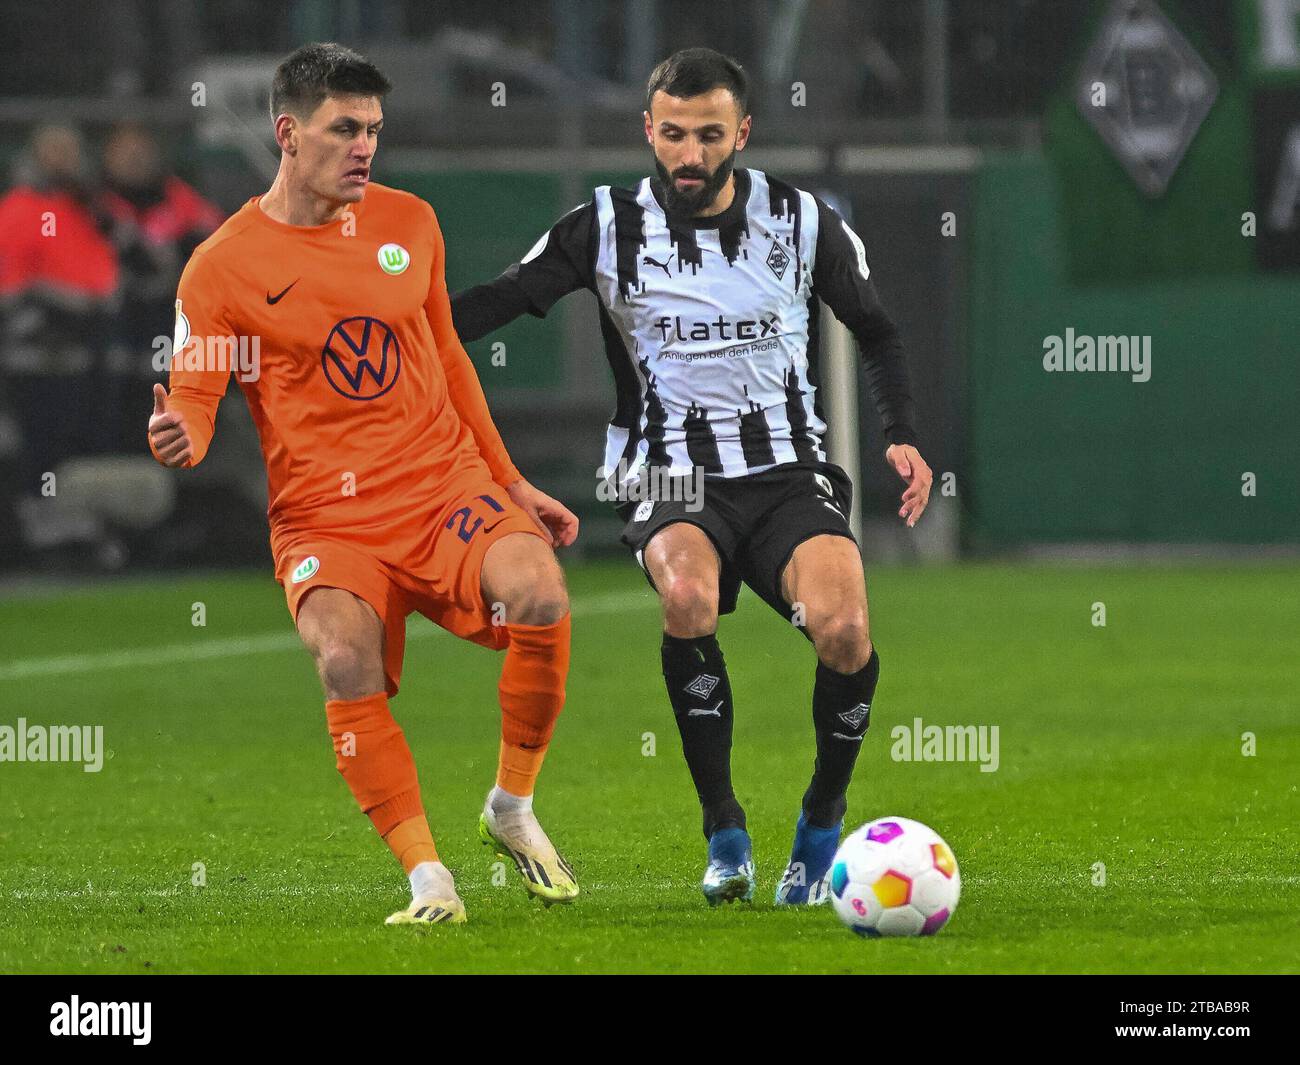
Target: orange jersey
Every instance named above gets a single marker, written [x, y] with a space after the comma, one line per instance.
[341, 338]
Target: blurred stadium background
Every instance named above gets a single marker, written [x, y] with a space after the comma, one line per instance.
[1000, 204]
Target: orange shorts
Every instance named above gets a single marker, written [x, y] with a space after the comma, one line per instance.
[431, 565]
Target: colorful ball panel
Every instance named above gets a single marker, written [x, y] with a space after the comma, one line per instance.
[839, 879]
[894, 877]
[893, 889]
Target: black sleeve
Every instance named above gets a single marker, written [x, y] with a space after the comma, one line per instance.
[841, 279]
[563, 261]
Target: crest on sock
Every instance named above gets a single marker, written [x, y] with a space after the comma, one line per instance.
[856, 715]
[702, 685]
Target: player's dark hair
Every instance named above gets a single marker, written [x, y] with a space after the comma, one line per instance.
[695, 71]
[314, 71]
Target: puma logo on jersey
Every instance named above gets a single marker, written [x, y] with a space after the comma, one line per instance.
[646, 260]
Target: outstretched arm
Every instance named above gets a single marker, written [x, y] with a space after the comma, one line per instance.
[559, 263]
[842, 279]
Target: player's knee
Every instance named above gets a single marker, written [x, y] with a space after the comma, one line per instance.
[348, 669]
[543, 606]
[536, 595]
[842, 641]
[523, 584]
[690, 605]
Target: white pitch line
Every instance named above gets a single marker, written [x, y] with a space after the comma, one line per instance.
[266, 643]
[476, 883]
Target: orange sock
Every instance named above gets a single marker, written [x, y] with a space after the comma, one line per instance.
[412, 843]
[532, 695]
[371, 753]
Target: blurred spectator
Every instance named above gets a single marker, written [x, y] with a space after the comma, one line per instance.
[156, 221]
[57, 266]
[58, 284]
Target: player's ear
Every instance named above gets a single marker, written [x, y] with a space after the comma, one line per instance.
[742, 134]
[286, 134]
[649, 128]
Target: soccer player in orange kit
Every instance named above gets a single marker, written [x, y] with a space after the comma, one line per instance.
[390, 489]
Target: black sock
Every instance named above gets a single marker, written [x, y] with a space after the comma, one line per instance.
[700, 692]
[841, 714]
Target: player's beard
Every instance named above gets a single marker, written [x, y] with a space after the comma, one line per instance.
[688, 204]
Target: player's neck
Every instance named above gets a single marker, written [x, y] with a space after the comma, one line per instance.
[722, 200]
[299, 207]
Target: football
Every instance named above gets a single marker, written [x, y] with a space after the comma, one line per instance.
[895, 877]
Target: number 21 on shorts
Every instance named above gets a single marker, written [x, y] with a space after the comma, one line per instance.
[460, 519]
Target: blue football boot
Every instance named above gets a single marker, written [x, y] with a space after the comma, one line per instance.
[730, 874]
[806, 880]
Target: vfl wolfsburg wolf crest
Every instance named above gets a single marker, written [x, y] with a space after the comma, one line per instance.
[394, 259]
[305, 569]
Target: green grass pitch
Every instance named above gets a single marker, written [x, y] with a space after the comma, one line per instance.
[1119, 744]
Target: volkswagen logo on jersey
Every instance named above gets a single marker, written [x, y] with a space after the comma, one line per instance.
[361, 358]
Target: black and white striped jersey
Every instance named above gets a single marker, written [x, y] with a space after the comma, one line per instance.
[709, 324]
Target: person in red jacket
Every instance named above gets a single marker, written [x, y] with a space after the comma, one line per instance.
[58, 282]
[139, 192]
[51, 242]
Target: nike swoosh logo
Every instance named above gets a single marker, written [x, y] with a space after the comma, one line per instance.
[273, 300]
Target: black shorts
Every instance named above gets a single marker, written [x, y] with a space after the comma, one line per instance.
[755, 523]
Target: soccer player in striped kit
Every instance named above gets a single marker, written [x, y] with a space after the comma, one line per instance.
[708, 278]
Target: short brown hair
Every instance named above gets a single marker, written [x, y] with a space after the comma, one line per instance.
[314, 71]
